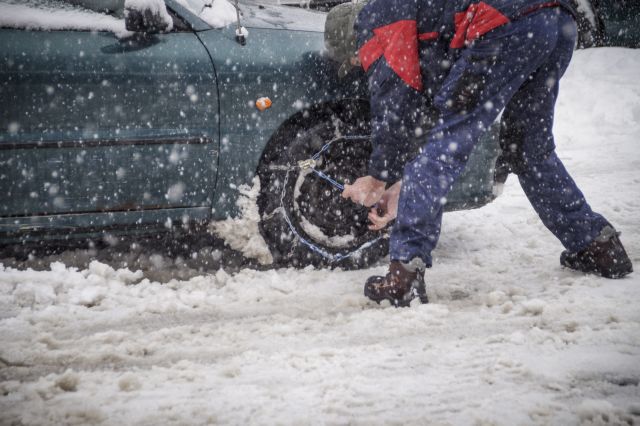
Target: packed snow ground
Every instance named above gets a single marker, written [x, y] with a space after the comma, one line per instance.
[509, 338]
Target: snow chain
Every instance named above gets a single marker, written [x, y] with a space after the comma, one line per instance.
[310, 164]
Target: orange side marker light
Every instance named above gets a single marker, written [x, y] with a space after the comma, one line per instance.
[263, 103]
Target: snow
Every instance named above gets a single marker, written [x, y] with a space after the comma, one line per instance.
[155, 8]
[55, 15]
[309, 228]
[318, 235]
[218, 13]
[584, 6]
[278, 15]
[59, 16]
[256, 14]
[509, 338]
[242, 233]
[243, 32]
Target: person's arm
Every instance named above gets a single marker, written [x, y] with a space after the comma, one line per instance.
[387, 40]
[395, 107]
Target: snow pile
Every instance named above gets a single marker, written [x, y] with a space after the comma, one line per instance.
[62, 17]
[242, 233]
[509, 338]
[217, 13]
[153, 12]
[220, 14]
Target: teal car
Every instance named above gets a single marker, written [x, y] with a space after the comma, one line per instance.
[130, 122]
[609, 23]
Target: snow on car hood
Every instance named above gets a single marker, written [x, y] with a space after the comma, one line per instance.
[270, 14]
[256, 14]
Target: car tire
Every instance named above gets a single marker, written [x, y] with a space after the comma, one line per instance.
[304, 219]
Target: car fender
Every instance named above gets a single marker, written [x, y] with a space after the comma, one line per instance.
[289, 68]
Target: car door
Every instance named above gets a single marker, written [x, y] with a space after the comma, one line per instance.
[104, 128]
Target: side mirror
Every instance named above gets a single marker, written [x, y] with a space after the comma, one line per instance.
[147, 16]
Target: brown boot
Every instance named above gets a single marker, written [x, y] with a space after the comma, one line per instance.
[400, 286]
[605, 256]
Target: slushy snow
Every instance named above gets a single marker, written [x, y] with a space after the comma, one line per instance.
[242, 233]
[509, 338]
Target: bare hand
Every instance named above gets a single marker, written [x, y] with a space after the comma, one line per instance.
[366, 190]
[387, 208]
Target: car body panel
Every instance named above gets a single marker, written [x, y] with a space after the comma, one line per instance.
[100, 125]
[621, 22]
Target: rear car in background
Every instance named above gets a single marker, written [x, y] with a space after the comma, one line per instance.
[110, 133]
[609, 23]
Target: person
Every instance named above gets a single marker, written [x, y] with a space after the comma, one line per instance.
[465, 63]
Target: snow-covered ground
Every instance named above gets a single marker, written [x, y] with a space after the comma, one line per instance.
[509, 338]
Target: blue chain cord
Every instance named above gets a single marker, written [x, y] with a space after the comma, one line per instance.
[332, 257]
[328, 144]
[335, 183]
[324, 149]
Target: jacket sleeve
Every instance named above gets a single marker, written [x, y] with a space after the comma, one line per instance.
[396, 115]
[387, 39]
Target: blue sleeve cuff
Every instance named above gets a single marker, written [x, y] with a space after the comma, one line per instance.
[395, 111]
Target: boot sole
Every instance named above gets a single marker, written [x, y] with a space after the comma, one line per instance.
[624, 270]
[398, 303]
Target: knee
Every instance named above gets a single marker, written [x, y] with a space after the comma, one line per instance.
[519, 163]
[508, 162]
[524, 147]
[429, 171]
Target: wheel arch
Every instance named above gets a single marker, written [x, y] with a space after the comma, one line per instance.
[358, 105]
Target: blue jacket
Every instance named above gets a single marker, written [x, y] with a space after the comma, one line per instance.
[407, 48]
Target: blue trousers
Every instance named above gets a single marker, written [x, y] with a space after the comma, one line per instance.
[515, 68]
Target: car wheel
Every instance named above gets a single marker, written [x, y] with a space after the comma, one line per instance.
[304, 219]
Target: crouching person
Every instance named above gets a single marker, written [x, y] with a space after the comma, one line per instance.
[469, 62]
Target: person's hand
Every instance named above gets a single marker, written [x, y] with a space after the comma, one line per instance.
[387, 208]
[366, 190]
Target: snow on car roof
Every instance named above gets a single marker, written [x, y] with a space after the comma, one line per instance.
[53, 15]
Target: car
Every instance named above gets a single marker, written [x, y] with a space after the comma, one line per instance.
[144, 120]
[609, 23]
